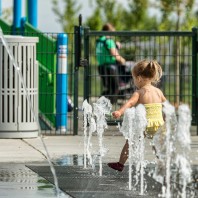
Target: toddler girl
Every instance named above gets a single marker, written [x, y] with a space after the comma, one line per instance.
[146, 74]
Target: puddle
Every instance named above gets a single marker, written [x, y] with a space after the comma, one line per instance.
[18, 181]
[70, 160]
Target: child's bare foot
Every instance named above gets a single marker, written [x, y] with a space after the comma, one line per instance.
[116, 166]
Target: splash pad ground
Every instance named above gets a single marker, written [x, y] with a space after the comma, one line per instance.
[79, 182]
[17, 180]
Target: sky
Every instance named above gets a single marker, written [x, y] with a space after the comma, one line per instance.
[47, 21]
[46, 18]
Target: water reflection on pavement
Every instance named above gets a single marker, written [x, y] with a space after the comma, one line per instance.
[17, 181]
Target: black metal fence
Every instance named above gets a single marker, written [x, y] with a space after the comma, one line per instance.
[47, 62]
[175, 51]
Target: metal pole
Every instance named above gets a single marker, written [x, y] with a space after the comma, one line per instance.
[194, 77]
[32, 12]
[76, 69]
[0, 9]
[77, 44]
[62, 81]
[23, 21]
[86, 68]
[26, 10]
[17, 14]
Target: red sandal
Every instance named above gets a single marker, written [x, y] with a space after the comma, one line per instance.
[116, 166]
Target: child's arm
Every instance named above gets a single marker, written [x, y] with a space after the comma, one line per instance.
[131, 102]
[163, 98]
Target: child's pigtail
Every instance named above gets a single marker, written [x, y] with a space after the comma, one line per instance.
[158, 71]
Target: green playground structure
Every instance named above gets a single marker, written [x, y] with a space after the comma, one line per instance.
[46, 56]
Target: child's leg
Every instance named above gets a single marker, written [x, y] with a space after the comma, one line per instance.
[124, 154]
[123, 158]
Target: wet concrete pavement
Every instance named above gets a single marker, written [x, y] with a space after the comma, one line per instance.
[17, 180]
[32, 150]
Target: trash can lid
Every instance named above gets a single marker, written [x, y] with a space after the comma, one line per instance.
[20, 39]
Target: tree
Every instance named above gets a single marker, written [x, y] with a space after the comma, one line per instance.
[176, 14]
[106, 11]
[171, 15]
[70, 14]
[135, 14]
[6, 14]
[94, 21]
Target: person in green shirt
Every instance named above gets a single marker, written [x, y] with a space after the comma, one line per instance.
[109, 60]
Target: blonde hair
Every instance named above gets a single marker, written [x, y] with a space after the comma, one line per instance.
[148, 69]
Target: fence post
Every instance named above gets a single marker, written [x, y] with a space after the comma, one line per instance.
[61, 93]
[76, 69]
[194, 76]
[77, 55]
[87, 68]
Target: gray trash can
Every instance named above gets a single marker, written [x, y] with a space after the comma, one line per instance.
[16, 118]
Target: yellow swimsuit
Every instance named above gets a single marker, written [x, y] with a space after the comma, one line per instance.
[154, 118]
